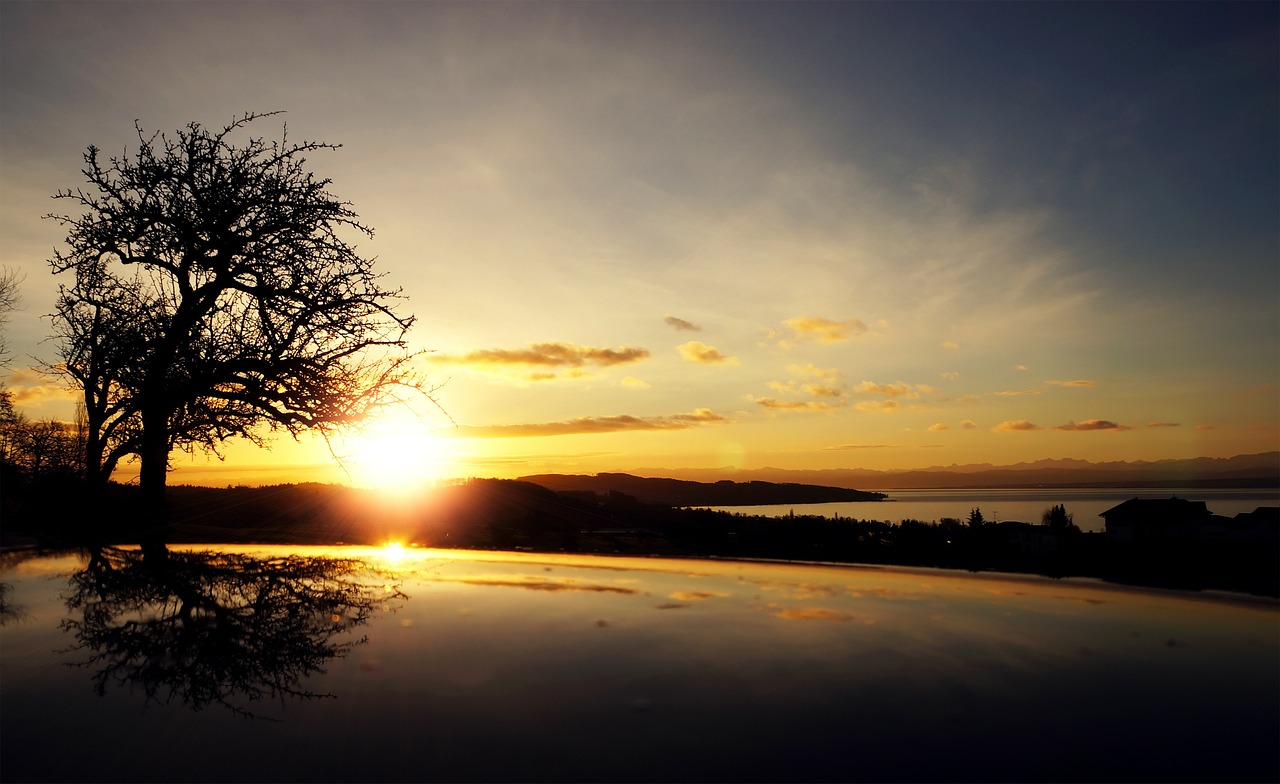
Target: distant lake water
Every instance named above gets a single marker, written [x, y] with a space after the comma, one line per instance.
[1026, 505]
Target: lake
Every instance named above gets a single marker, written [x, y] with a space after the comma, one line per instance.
[1026, 505]
[389, 664]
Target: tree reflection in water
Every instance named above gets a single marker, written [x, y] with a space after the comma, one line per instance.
[7, 608]
[217, 628]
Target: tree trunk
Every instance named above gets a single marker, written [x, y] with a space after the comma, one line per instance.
[95, 477]
[154, 458]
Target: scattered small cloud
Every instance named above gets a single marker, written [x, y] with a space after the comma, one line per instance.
[888, 390]
[774, 404]
[968, 424]
[883, 406]
[701, 353]
[1204, 427]
[1164, 424]
[1080, 382]
[1016, 392]
[590, 425]
[1015, 426]
[823, 330]
[938, 427]
[950, 344]
[825, 384]
[818, 390]
[950, 375]
[895, 390]
[1092, 424]
[546, 357]
[1023, 368]
[682, 325]
[634, 383]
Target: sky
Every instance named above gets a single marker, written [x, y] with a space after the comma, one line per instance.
[658, 236]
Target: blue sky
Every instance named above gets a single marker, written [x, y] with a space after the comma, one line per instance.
[882, 235]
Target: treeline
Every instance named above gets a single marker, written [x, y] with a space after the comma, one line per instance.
[520, 516]
[39, 452]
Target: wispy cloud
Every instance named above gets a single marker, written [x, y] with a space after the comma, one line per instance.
[682, 325]
[1164, 424]
[968, 424]
[589, 425]
[1092, 424]
[634, 383]
[819, 382]
[844, 447]
[1076, 383]
[775, 404]
[1016, 392]
[28, 387]
[938, 427]
[888, 390]
[824, 330]
[545, 355]
[892, 393]
[1015, 426]
[702, 354]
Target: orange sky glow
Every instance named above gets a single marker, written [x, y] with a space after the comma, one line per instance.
[648, 238]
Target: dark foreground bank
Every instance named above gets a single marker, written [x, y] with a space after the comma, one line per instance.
[520, 516]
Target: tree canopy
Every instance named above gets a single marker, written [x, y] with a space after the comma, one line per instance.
[217, 293]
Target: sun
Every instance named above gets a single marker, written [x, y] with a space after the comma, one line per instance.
[397, 451]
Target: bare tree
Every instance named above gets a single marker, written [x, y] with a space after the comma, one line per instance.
[102, 346]
[217, 294]
[9, 280]
[12, 422]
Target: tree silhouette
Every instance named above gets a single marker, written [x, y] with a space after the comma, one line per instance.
[1058, 518]
[102, 348]
[216, 293]
[208, 628]
[9, 280]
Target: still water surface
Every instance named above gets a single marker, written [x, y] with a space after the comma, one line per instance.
[357, 664]
[1026, 505]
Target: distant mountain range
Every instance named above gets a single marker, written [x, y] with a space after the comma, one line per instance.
[1252, 471]
[680, 492]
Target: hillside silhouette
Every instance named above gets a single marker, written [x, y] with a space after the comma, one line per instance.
[681, 492]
